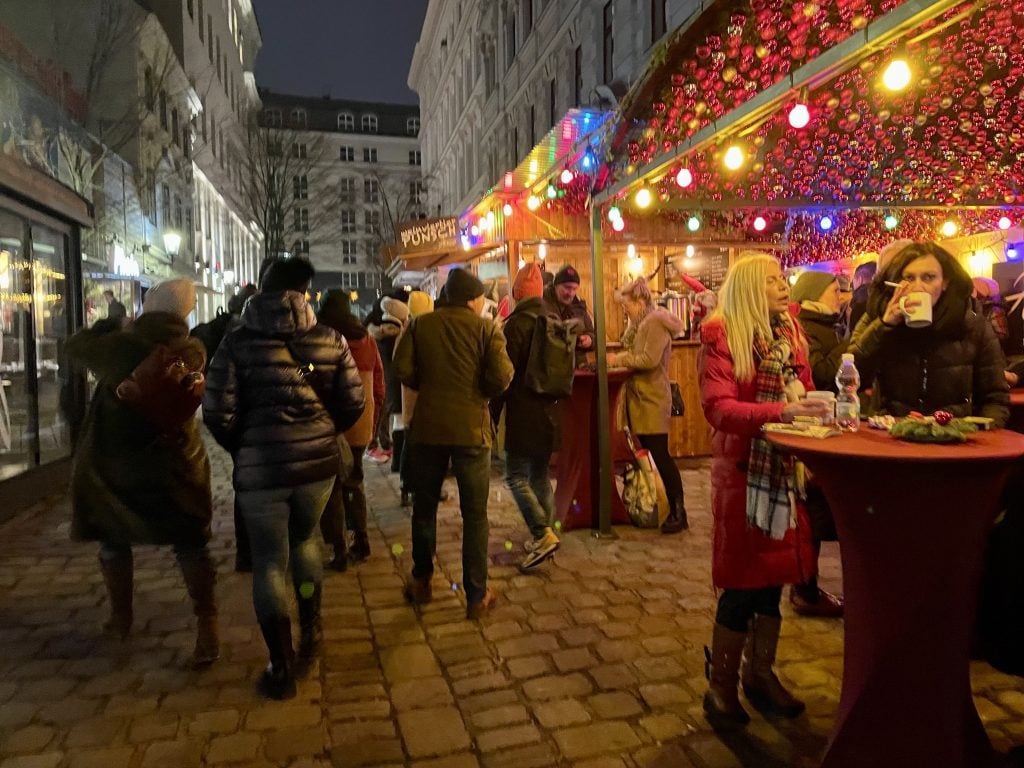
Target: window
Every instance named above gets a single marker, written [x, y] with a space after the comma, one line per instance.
[298, 118]
[174, 125]
[209, 35]
[300, 186]
[163, 110]
[369, 154]
[368, 123]
[658, 25]
[371, 191]
[510, 39]
[527, 18]
[349, 251]
[299, 151]
[301, 220]
[348, 221]
[213, 137]
[165, 205]
[220, 140]
[201, 36]
[347, 190]
[372, 226]
[551, 102]
[348, 154]
[609, 43]
[412, 126]
[533, 125]
[349, 280]
[346, 121]
[578, 77]
[272, 117]
[416, 192]
[415, 157]
[186, 141]
[300, 246]
[220, 76]
[191, 9]
[202, 109]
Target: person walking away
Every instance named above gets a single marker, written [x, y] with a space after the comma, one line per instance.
[346, 507]
[819, 298]
[385, 330]
[752, 370]
[280, 388]
[115, 309]
[456, 361]
[531, 423]
[211, 334]
[137, 476]
[562, 303]
[647, 348]
[420, 303]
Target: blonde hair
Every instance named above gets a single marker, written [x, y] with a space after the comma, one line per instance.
[637, 290]
[743, 308]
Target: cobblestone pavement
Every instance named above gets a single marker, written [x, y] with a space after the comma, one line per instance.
[596, 661]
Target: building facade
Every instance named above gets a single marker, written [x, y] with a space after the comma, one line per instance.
[494, 76]
[356, 172]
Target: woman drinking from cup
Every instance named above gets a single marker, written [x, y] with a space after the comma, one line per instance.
[921, 344]
[753, 370]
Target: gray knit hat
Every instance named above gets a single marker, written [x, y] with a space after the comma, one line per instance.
[810, 285]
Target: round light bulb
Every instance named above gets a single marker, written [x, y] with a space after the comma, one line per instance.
[567, 176]
[693, 224]
[643, 198]
[552, 192]
[619, 224]
[614, 213]
[533, 202]
[799, 116]
[734, 158]
[684, 178]
[891, 222]
[1004, 222]
[631, 251]
[690, 250]
[760, 224]
[825, 223]
[897, 75]
[949, 228]
[474, 231]
[507, 209]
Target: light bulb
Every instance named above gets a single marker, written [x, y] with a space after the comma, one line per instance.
[507, 209]
[474, 231]
[734, 157]
[799, 116]
[567, 176]
[684, 178]
[690, 250]
[693, 224]
[643, 198]
[1004, 222]
[619, 224]
[891, 222]
[533, 202]
[631, 251]
[825, 222]
[542, 251]
[614, 213]
[760, 224]
[897, 75]
[949, 228]
[552, 192]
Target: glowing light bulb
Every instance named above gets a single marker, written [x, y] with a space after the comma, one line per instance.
[1004, 222]
[631, 251]
[614, 213]
[799, 116]
[897, 75]
[619, 224]
[693, 224]
[507, 209]
[825, 222]
[684, 178]
[474, 231]
[567, 176]
[793, 278]
[542, 251]
[891, 222]
[643, 198]
[522, 262]
[949, 228]
[760, 224]
[1011, 254]
[588, 160]
[508, 180]
[533, 202]
[690, 250]
[734, 157]
[552, 192]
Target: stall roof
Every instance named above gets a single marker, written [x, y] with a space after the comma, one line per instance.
[449, 254]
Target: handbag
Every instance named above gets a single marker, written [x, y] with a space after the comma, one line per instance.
[678, 405]
[163, 390]
[643, 491]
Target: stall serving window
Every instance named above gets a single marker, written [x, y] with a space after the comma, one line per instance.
[35, 322]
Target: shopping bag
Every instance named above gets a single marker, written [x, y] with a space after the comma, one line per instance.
[643, 492]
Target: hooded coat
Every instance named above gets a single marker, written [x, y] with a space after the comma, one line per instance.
[824, 347]
[956, 364]
[744, 557]
[130, 483]
[647, 351]
[280, 388]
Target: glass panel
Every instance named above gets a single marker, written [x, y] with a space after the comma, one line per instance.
[50, 309]
[16, 449]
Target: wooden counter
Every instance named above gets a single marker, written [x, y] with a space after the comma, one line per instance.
[690, 434]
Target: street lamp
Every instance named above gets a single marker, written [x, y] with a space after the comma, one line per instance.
[172, 242]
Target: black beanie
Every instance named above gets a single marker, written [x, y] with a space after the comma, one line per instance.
[567, 274]
[294, 274]
[462, 287]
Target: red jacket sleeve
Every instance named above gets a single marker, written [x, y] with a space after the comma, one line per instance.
[378, 381]
[720, 393]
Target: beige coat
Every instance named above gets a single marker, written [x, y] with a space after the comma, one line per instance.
[647, 350]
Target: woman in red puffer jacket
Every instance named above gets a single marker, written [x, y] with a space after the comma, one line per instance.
[753, 370]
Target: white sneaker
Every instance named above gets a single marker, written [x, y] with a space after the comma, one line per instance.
[540, 550]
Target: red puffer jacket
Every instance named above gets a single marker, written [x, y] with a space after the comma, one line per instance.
[744, 557]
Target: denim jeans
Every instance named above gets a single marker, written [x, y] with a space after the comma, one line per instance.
[472, 467]
[282, 525]
[527, 478]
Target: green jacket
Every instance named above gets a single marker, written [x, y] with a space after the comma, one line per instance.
[824, 347]
[457, 362]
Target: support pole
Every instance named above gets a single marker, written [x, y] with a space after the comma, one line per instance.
[602, 491]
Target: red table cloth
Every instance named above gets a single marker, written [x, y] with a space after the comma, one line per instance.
[912, 521]
[576, 489]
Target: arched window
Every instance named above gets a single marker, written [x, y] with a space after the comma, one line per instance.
[346, 121]
[272, 117]
[369, 123]
[298, 118]
[412, 126]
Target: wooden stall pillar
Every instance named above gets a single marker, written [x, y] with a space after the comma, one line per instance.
[604, 447]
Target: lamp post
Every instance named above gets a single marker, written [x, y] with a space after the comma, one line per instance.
[172, 242]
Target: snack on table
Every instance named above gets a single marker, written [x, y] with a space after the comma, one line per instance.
[885, 422]
[929, 429]
[802, 429]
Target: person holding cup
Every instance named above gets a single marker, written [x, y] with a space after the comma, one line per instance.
[922, 346]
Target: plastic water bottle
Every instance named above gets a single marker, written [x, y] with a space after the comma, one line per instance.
[847, 401]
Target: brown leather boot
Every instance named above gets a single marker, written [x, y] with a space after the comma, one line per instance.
[118, 575]
[722, 702]
[760, 683]
[201, 580]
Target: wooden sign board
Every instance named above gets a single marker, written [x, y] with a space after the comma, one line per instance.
[424, 235]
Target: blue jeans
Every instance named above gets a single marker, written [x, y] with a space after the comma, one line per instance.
[282, 524]
[472, 467]
[527, 478]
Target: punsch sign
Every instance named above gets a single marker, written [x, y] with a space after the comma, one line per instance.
[427, 234]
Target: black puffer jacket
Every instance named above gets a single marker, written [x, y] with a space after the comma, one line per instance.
[531, 421]
[263, 404]
[824, 347]
[955, 365]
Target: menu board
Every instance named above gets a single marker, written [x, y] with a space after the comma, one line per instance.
[709, 266]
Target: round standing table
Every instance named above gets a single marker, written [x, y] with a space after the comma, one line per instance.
[912, 520]
[1016, 410]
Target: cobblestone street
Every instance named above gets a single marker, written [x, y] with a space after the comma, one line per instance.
[596, 661]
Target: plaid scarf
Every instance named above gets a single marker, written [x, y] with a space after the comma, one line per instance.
[770, 503]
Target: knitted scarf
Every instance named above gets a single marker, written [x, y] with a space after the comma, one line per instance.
[770, 502]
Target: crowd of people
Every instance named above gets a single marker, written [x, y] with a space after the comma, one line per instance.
[299, 398]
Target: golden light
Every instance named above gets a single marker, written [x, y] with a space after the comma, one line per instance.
[507, 209]
[897, 75]
[643, 198]
[949, 228]
[533, 202]
[734, 157]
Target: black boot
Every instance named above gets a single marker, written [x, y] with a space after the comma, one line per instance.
[360, 551]
[722, 702]
[243, 553]
[397, 446]
[278, 681]
[118, 575]
[310, 627]
[201, 581]
[762, 686]
[676, 520]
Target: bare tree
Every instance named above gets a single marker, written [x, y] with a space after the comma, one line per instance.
[402, 198]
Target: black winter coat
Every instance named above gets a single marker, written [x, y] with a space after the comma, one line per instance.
[278, 418]
[130, 483]
[531, 421]
[824, 347]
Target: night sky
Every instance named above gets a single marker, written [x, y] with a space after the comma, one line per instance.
[355, 49]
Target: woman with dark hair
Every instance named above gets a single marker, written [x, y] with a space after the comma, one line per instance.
[955, 364]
